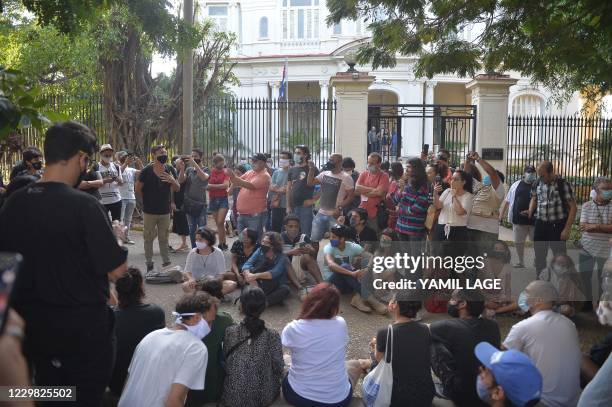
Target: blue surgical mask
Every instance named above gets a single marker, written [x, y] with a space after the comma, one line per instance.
[522, 301]
[607, 194]
[529, 177]
[297, 158]
[353, 222]
[334, 242]
[483, 391]
[486, 181]
[372, 168]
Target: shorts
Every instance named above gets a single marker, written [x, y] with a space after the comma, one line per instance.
[321, 224]
[521, 232]
[218, 203]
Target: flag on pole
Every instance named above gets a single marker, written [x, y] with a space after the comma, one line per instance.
[283, 85]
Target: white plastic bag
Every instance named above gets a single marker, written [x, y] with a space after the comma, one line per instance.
[378, 384]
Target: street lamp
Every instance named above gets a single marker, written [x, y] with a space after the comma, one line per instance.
[351, 60]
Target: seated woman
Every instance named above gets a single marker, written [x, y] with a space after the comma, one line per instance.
[318, 340]
[253, 356]
[205, 260]
[497, 266]
[266, 269]
[241, 250]
[133, 321]
[214, 375]
[562, 273]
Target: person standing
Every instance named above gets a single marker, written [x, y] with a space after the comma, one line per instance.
[218, 184]
[412, 200]
[251, 204]
[348, 166]
[397, 172]
[112, 178]
[372, 140]
[195, 179]
[299, 194]
[372, 185]
[278, 192]
[64, 279]
[180, 226]
[516, 202]
[155, 185]
[553, 204]
[128, 197]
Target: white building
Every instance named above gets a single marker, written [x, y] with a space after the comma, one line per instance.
[271, 32]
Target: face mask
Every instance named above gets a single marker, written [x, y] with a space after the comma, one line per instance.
[353, 222]
[297, 158]
[607, 194]
[38, 165]
[372, 168]
[486, 181]
[334, 242]
[197, 161]
[529, 177]
[162, 158]
[200, 330]
[604, 313]
[201, 245]
[284, 163]
[522, 301]
[453, 310]
[384, 243]
[482, 391]
[105, 159]
[265, 249]
[560, 269]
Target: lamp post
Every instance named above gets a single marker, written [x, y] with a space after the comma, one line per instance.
[187, 139]
[351, 60]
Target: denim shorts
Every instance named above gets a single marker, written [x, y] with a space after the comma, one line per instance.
[321, 224]
[218, 203]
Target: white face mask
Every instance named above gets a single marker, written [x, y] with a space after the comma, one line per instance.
[284, 163]
[604, 313]
[199, 330]
[201, 245]
[105, 159]
[560, 269]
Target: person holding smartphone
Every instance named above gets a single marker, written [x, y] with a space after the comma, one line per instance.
[112, 179]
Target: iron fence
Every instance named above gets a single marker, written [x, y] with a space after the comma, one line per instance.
[580, 148]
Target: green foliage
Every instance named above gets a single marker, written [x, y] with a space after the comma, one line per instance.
[565, 45]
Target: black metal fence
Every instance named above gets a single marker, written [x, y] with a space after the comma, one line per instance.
[238, 128]
[580, 148]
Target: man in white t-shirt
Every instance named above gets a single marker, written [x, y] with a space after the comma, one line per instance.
[483, 222]
[337, 191]
[170, 361]
[551, 341]
[130, 170]
[112, 178]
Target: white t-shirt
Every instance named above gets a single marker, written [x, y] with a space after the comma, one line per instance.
[448, 215]
[200, 265]
[596, 243]
[334, 189]
[109, 192]
[127, 188]
[551, 341]
[162, 358]
[318, 350]
[510, 198]
[490, 225]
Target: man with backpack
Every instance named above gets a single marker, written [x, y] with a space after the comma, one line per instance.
[554, 207]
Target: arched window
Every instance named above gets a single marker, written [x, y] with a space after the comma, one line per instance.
[527, 105]
[263, 27]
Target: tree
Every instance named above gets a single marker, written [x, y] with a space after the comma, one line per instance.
[565, 45]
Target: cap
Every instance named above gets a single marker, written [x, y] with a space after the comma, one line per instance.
[530, 168]
[106, 147]
[259, 157]
[341, 230]
[513, 371]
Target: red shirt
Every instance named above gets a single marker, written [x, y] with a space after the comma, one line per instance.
[217, 177]
[253, 201]
[367, 179]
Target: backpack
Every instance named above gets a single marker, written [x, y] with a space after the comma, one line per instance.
[167, 275]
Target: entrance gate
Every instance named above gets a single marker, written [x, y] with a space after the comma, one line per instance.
[453, 128]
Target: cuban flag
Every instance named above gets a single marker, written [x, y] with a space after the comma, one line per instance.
[283, 85]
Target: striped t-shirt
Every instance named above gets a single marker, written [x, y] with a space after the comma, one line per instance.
[412, 210]
[596, 244]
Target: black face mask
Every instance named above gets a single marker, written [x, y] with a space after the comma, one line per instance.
[453, 310]
[197, 161]
[162, 159]
[265, 249]
[37, 165]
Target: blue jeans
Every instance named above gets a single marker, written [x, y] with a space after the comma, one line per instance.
[196, 222]
[348, 284]
[255, 222]
[127, 210]
[321, 224]
[305, 215]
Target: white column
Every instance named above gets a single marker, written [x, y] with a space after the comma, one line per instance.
[275, 118]
[429, 100]
[412, 127]
[324, 109]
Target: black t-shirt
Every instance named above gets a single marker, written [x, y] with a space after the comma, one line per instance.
[367, 235]
[289, 244]
[155, 193]
[92, 175]
[300, 191]
[241, 257]
[131, 325]
[522, 197]
[412, 383]
[460, 337]
[17, 168]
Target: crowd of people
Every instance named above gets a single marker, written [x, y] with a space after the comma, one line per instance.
[80, 212]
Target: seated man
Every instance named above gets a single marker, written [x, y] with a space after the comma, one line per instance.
[266, 269]
[508, 378]
[365, 236]
[170, 361]
[297, 244]
[345, 266]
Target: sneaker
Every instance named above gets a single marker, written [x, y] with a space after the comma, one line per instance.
[302, 293]
[150, 267]
[166, 264]
[376, 305]
[130, 242]
[358, 303]
[519, 266]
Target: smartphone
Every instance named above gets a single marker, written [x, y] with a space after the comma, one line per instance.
[9, 267]
[426, 148]
[437, 179]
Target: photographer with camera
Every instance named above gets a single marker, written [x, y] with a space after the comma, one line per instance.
[195, 179]
[130, 170]
[112, 179]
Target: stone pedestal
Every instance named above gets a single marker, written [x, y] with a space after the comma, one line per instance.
[490, 95]
[351, 91]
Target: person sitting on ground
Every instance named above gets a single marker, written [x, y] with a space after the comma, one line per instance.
[318, 340]
[297, 244]
[365, 236]
[551, 341]
[453, 359]
[345, 265]
[133, 321]
[497, 266]
[253, 356]
[169, 362]
[205, 260]
[214, 375]
[563, 275]
[266, 269]
[507, 378]
[241, 250]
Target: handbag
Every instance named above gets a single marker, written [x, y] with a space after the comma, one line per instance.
[378, 384]
[431, 217]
